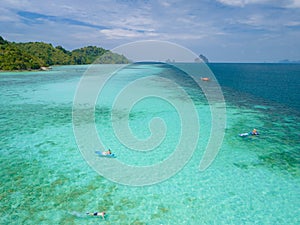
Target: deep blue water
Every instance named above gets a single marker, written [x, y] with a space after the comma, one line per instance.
[275, 82]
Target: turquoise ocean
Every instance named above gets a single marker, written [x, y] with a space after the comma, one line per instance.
[253, 180]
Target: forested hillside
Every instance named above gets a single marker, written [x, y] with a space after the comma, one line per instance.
[34, 55]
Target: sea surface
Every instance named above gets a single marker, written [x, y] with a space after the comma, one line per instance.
[45, 178]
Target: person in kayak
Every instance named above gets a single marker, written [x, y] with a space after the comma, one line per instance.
[254, 132]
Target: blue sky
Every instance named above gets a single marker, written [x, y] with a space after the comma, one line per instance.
[222, 30]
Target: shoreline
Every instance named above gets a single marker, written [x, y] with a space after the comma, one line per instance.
[43, 68]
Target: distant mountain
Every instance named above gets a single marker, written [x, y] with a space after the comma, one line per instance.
[202, 58]
[288, 61]
[35, 55]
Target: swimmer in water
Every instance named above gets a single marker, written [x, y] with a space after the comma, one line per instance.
[97, 214]
[107, 152]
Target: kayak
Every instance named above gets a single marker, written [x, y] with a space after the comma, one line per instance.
[243, 134]
[247, 134]
[103, 154]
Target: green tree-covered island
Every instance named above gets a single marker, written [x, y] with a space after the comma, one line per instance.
[36, 55]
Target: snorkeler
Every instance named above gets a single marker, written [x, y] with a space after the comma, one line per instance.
[107, 152]
[97, 214]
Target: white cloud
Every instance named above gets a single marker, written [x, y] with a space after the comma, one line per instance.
[8, 16]
[242, 3]
[254, 20]
[122, 33]
[272, 3]
[293, 23]
[134, 22]
[15, 3]
[293, 4]
[183, 36]
[232, 2]
[165, 3]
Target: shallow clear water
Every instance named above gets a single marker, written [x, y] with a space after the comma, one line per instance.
[45, 180]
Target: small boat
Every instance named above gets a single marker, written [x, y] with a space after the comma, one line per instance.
[205, 79]
[243, 134]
